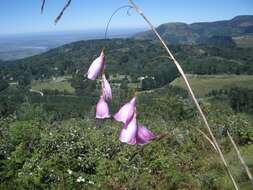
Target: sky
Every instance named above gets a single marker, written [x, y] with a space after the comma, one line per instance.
[23, 16]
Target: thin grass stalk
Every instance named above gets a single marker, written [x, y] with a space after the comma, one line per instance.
[136, 8]
[206, 137]
[240, 157]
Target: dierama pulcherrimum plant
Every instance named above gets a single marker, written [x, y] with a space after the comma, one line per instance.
[107, 91]
[132, 132]
[130, 118]
[126, 112]
[102, 109]
[135, 133]
[95, 70]
[96, 67]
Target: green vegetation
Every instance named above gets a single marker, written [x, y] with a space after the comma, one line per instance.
[244, 41]
[39, 152]
[59, 84]
[54, 142]
[204, 84]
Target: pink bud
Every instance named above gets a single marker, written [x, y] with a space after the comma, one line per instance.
[107, 91]
[126, 112]
[96, 67]
[102, 109]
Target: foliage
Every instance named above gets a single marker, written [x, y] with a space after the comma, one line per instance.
[40, 151]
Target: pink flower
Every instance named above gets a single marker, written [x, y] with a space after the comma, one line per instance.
[102, 109]
[135, 133]
[126, 112]
[96, 67]
[144, 135]
[107, 91]
[129, 132]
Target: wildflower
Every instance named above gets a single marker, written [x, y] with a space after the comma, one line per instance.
[96, 67]
[135, 133]
[80, 179]
[129, 132]
[144, 135]
[102, 109]
[126, 112]
[69, 171]
[107, 91]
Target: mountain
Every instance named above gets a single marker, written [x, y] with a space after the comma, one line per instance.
[203, 32]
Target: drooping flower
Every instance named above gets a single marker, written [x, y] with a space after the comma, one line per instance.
[135, 133]
[102, 109]
[107, 91]
[96, 67]
[129, 132]
[144, 135]
[126, 112]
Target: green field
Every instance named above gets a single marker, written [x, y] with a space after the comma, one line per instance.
[60, 83]
[203, 84]
[244, 41]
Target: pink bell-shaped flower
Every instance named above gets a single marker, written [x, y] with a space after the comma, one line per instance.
[126, 112]
[102, 109]
[107, 91]
[144, 135]
[128, 133]
[96, 67]
[135, 133]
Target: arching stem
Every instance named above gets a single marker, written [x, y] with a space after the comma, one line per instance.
[117, 10]
[136, 8]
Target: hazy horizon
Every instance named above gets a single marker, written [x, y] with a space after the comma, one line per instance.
[25, 16]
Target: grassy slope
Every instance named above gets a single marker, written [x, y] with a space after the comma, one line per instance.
[61, 84]
[203, 84]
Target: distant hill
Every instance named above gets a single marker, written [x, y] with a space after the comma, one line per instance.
[204, 32]
[131, 57]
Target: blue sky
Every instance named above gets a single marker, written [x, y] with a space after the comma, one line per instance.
[23, 16]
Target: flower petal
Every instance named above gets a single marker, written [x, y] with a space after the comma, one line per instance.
[128, 133]
[126, 112]
[102, 109]
[96, 67]
[107, 91]
[144, 135]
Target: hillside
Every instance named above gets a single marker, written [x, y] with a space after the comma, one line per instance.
[130, 57]
[202, 85]
[199, 33]
[55, 142]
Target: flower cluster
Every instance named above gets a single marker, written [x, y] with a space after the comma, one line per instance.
[132, 132]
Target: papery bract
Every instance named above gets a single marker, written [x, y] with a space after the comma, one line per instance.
[96, 67]
[144, 135]
[126, 112]
[107, 91]
[102, 109]
[128, 133]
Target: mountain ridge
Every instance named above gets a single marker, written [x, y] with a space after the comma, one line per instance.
[200, 32]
